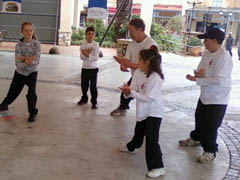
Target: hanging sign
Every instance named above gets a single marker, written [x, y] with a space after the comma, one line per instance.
[13, 6]
[97, 9]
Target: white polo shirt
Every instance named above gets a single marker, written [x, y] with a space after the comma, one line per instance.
[216, 85]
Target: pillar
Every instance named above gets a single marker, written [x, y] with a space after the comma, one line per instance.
[66, 22]
[147, 14]
[76, 18]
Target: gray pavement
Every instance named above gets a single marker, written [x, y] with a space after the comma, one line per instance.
[72, 142]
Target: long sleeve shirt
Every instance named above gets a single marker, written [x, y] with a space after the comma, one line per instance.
[91, 61]
[216, 84]
[147, 92]
[27, 49]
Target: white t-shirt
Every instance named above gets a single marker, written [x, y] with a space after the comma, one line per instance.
[147, 92]
[216, 85]
[91, 61]
[134, 48]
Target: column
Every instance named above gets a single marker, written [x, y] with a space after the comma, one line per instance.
[147, 14]
[76, 18]
[66, 22]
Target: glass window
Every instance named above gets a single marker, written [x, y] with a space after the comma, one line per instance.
[216, 3]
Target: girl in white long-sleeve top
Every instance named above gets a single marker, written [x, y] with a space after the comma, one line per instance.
[146, 88]
[27, 56]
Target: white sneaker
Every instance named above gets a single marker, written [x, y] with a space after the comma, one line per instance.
[119, 112]
[189, 142]
[205, 157]
[156, 172]
[123, 148]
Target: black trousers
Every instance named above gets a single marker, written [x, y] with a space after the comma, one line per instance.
[208, 118]
[124, 102]
[149, 128]
[89, 76]
[16, 87]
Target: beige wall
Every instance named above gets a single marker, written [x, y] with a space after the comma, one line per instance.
[147, 13]
[232, 3]
[66, 22]
[225, 4]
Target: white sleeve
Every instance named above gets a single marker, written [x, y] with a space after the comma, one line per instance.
[93, 56]
[82, 56]
[153, 87]
[129, 51]
[222, 69]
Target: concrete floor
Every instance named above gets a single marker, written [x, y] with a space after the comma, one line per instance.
[70, 142]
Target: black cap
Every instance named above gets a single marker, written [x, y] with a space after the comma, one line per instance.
[213, 33]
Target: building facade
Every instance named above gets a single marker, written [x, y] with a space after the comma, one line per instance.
[224, 14]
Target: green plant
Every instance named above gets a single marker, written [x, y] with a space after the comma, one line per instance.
[194, 41]
[99, 27]
[166, 42]
[80, 35]
[175, 24]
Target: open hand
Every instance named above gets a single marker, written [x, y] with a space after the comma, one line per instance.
[89, 50]
[123, 68]
[125, 89]
[200, 73]
[190, 77]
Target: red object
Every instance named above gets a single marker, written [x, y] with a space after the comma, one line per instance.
[7, 117]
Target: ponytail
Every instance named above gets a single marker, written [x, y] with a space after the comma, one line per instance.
[155, 60]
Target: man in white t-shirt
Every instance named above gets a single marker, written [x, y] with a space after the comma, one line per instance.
[136, 28]
[214, 77]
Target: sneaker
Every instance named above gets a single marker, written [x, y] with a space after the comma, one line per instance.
[156, 172]
[32, 116]
[94, 106]
[3, 108]
[119, 112]
[189, 143]
[81, 102]
[206, 157]
[123, 148]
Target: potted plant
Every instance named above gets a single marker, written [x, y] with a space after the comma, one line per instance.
[195, 46]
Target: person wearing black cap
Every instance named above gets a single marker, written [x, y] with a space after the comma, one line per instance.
[213, 74]
[229, 43]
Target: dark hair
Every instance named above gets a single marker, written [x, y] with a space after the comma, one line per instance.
[219, 41]
[137, 23]
[90, 29]
[29, 23]
[155, 60]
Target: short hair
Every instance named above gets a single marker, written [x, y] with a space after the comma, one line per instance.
[219, 41]
[90, 29]
[137, 23]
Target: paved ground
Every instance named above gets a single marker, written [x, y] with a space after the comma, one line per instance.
[72, 142]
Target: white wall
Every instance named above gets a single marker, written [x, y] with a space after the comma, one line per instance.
[66, 18]
[147, 14]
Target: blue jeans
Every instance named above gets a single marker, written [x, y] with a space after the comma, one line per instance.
[239, 52]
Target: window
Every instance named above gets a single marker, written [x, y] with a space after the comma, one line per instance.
[216, 3]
